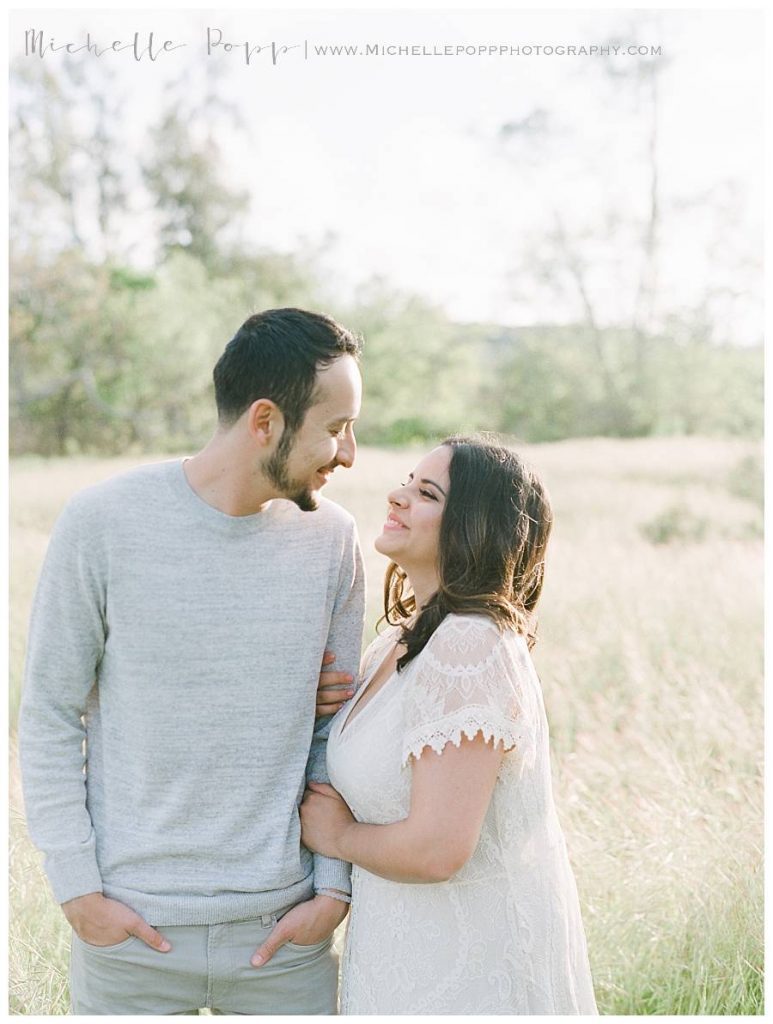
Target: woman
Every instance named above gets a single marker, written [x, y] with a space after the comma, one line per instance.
[463, 899]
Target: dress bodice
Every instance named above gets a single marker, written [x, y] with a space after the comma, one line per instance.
[503, 934]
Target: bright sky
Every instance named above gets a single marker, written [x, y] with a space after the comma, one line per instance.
[398, 156]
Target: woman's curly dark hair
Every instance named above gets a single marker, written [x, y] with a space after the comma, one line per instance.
[491, 552]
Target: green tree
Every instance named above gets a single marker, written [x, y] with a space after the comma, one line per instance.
[420, 370]
[633, 355]
[199, 210]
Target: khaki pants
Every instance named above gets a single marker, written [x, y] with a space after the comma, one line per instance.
[207, 966]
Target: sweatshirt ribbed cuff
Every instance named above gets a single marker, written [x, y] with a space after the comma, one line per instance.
[332, 874]
[73, 873]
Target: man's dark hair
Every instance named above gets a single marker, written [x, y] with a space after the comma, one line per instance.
[277, 354]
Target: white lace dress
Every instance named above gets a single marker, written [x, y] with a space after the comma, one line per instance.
[504, 935]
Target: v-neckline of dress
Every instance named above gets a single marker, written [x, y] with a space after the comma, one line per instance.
[364, 688]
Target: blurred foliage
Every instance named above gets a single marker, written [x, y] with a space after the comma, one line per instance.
[112, 352]
[675, 524]
[545, 385]
[747, 480]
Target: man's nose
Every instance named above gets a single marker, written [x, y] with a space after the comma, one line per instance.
[347, 451]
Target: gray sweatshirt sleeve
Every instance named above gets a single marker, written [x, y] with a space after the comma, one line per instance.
[345, 641]
[65, 645]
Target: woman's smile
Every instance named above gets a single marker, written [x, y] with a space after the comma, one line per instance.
[393, 523]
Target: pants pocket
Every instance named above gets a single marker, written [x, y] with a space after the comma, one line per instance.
[313, 948]
[104, 949]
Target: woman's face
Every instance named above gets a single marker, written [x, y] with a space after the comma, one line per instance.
[412, 529]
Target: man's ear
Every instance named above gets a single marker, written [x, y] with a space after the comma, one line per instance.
[265, 421]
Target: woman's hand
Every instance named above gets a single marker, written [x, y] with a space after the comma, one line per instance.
[333, 689]
[325, 817]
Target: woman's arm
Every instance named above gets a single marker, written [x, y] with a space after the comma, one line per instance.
[450, 794]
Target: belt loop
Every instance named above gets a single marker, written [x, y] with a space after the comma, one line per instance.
[266, 920]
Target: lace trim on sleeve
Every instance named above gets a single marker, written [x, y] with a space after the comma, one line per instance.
[467, 721]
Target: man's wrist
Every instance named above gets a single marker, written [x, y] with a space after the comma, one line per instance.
[84, 897]
[334, 894]
[80, 904]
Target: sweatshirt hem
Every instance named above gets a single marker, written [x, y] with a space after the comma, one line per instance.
[223, 908]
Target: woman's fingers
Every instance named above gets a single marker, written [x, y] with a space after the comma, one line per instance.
[328, 679]
[334, 689]
[329, 702]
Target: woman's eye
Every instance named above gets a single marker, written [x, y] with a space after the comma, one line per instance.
[428, 494]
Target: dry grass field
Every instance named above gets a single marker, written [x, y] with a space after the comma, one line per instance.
[650, 655]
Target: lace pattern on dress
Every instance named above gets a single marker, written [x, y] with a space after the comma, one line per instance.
[469, 679]
[467, 722]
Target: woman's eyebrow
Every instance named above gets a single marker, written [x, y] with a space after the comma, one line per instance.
[435, 485]
[426, 480]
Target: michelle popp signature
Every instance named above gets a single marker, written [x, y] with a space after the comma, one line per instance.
[148, 46]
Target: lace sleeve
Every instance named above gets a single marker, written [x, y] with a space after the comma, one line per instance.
[469, 679]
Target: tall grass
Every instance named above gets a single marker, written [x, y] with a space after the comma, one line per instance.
[650, 655]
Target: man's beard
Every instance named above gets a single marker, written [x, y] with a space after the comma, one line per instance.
[276, 471]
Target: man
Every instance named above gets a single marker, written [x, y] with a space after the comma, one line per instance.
[177, 632]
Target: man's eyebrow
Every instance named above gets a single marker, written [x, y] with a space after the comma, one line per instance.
[341, 420]
[426, 480]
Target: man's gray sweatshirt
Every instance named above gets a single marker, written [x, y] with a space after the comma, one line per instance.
[184, 645]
